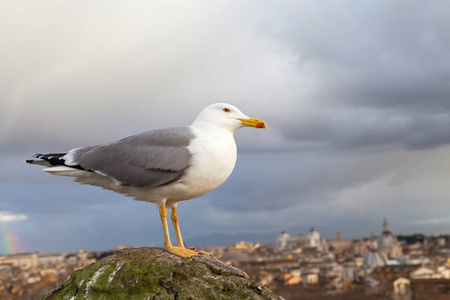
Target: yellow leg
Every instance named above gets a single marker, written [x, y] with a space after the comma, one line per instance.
[174, 217]
[179, 251]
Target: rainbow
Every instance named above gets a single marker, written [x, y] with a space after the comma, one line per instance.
[9, 242]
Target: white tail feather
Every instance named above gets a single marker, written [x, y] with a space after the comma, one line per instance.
[38, 162]
[65, 171]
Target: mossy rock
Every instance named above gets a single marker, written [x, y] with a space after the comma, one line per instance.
[153, 273]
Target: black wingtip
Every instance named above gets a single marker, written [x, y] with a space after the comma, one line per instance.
[55, 159]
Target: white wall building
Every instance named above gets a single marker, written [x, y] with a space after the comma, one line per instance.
[288, 242]
[32, 260]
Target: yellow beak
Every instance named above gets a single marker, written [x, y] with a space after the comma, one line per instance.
[258, 123]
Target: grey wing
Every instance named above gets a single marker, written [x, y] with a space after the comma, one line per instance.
[148, 159]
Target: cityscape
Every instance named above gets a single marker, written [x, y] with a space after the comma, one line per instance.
[382, 266]
[355, 95]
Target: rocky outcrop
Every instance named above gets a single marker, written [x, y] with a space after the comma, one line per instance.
[153, 273]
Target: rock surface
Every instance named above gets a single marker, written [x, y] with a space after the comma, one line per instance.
[153, 273]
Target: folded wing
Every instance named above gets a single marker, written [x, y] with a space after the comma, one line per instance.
[148, 159]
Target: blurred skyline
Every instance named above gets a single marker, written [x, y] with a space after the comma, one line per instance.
[355, 94]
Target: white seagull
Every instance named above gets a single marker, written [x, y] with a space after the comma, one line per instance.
[161, 166]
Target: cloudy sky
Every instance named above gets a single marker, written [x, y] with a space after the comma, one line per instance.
[356, 95]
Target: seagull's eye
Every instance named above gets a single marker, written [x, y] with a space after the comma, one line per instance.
[226, 109]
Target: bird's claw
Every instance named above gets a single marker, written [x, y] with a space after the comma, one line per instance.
[182, 252]
[200, 251]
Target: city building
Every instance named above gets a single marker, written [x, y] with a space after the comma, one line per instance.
[374, 257]
[388, 243]
[288, 242]
[32, 260]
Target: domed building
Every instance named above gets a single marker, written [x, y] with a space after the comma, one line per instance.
[388, 243]
[374, 257]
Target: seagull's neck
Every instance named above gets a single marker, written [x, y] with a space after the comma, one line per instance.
[208, 129]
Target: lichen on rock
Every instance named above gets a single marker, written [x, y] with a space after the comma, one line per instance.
[153, 273]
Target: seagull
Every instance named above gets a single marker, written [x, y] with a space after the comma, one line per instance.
[162, 166]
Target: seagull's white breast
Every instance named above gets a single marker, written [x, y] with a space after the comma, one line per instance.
[213, 160]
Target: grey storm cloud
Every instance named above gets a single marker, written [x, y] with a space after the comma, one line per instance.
[362, 128]
[383, 69]
[355, 94]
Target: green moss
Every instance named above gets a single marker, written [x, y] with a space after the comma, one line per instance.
[152, 273]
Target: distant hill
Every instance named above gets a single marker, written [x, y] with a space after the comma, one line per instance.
[221, 239]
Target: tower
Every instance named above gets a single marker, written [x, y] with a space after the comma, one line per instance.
[386, 229]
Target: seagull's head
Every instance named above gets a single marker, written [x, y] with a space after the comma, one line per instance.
[227, 116]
